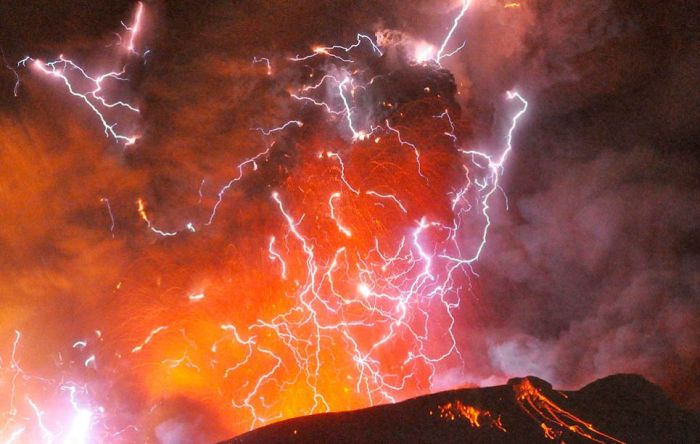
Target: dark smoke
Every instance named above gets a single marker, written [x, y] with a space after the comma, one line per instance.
[595, 268]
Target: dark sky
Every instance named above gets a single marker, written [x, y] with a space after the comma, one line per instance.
[594, 268]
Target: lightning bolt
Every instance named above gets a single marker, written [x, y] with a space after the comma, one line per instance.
[350, 302]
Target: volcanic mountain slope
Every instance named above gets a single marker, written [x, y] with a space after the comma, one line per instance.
[619, 408]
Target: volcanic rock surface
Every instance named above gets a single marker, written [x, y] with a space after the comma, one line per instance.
[618, 408]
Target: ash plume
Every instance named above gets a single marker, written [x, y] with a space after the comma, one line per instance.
[592, 269]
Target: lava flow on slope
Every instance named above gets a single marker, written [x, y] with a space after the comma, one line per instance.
[622, 408]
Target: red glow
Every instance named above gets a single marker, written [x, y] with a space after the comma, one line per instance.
[341, 294]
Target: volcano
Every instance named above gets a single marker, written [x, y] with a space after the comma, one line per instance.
[222, 215]
[618, 408]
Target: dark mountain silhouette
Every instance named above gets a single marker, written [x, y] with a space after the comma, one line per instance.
[618, 408]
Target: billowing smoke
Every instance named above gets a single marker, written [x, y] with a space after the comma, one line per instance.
[594, 269]
[610, 283]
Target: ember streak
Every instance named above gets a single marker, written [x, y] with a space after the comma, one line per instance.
[369, 253]
[553, 419]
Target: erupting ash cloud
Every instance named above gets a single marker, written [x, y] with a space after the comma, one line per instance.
[212, 223]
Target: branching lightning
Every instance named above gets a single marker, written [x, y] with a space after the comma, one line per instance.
[383, 281]
[90, 88]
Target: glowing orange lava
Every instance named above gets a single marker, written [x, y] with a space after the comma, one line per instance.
[476, 417]
[327, 274]
[554, 419]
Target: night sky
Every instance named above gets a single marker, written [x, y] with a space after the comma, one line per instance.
[592, 262]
